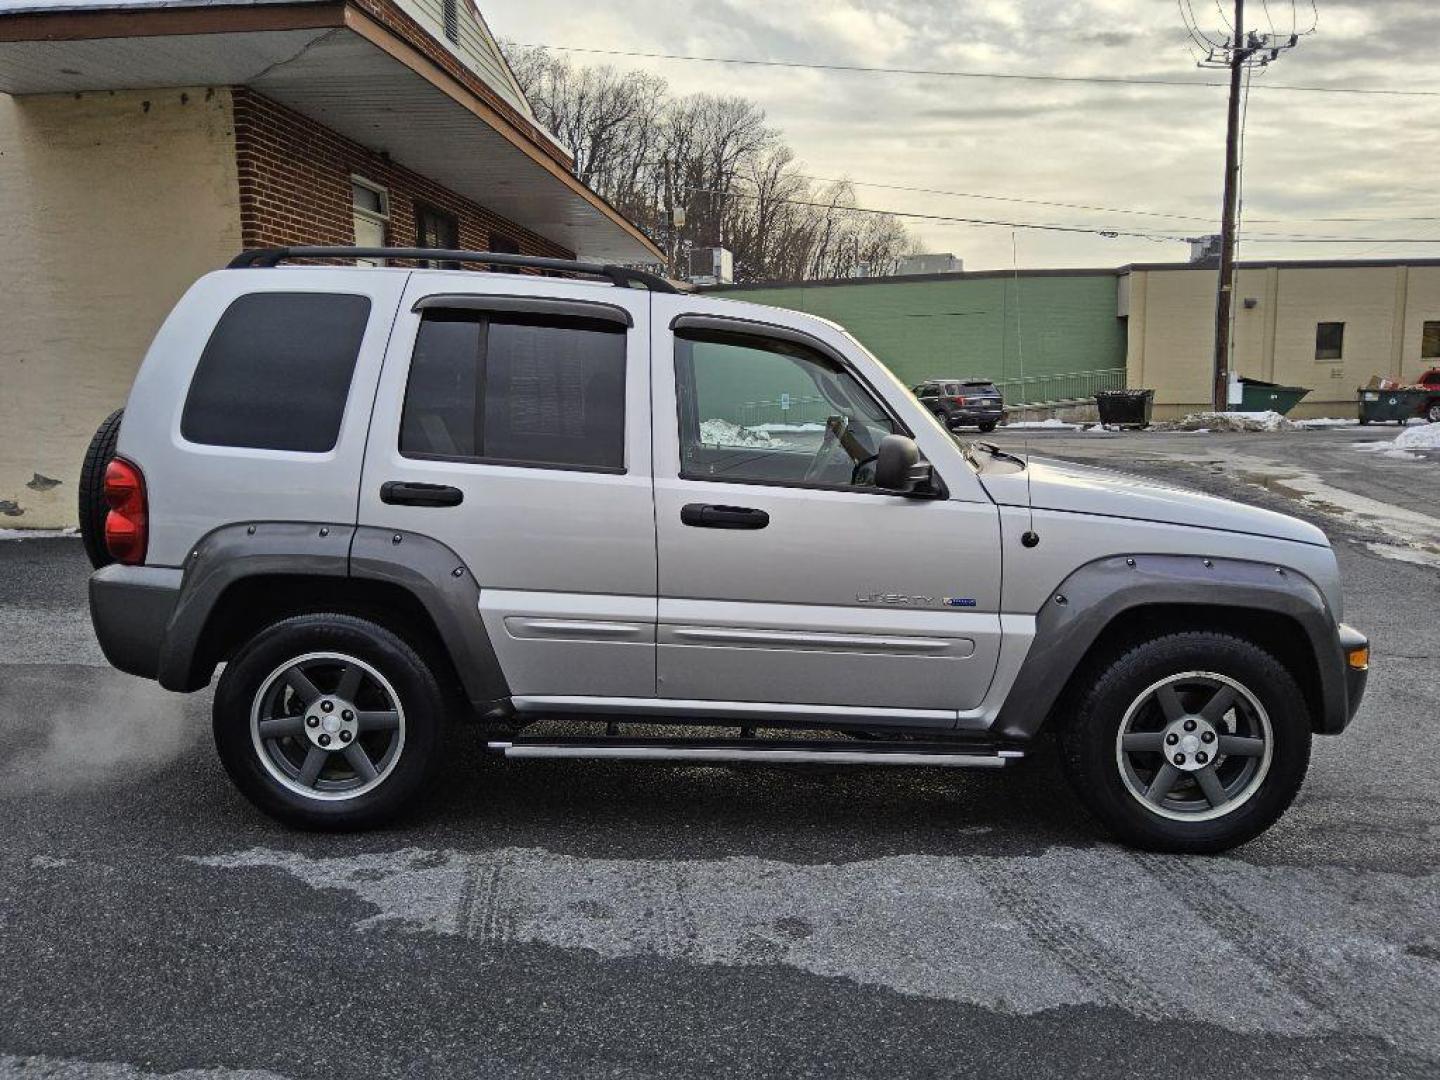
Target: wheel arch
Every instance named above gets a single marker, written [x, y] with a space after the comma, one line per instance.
[1105, 606]
[252, 602]
[241, 578]
[1281, 635]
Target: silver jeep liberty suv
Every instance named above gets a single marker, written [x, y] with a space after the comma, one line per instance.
[386, 499]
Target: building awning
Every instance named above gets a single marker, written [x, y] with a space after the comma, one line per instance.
[348, 64]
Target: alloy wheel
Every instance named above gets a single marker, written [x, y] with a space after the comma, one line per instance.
[1194, 746]
[327, 726]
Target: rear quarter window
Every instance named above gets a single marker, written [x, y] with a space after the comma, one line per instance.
[275, 374]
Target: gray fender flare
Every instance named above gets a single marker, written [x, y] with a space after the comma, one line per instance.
[1091, 597]
[433, 574]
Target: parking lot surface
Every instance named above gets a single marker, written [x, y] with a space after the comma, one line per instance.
[613, 919]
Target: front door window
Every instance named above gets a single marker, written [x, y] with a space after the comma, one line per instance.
[755, 409]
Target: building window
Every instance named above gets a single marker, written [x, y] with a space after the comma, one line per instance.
[1430, 341]
[436, 229]
[451, 13]
[504, 245]
[370, 210]
[1329, 340]
[516, 388]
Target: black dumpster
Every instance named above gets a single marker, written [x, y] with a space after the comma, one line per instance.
[1124, 408]
[1398, 405]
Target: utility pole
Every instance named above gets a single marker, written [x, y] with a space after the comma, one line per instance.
[1220, 390]
[1239, 50]
[674, 222]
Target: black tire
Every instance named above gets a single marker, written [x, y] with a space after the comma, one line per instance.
[986, 428]
[1090, 751]
[92, 507]
[423, 707]
[1432, 414]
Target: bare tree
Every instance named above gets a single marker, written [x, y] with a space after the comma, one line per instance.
[715, 158]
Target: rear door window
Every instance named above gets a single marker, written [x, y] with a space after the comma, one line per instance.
[275, 374]
[514, 388]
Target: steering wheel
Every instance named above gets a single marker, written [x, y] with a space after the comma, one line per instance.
[855, 472]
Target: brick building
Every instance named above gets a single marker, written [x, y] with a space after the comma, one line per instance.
[144, 142]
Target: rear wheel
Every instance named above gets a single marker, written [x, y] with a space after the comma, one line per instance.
[92, 506]
[1193, 742]
[329, 721]
[988, 426]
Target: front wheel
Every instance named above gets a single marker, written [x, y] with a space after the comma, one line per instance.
[329, 721]
[1195, 742]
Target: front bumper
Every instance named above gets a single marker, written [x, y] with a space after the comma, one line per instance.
[130, 608]
[1351, 640]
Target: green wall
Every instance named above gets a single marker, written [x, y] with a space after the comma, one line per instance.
[970, 324]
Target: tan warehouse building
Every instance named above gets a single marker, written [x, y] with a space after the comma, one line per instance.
[146, 142]
[1328, 326]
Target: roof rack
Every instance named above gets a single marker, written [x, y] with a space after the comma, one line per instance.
[616, 275]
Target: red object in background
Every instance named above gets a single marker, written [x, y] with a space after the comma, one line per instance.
[127, 525]
[1430, 378]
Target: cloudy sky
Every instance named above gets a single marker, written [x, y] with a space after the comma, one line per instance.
[1309, 156]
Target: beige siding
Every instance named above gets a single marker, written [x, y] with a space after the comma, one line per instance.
[1383, 308]
[1422, 305]
[476, 47]
[1364, 300]
[111, 204]
[1171, 323]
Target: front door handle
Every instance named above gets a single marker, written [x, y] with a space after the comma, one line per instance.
[707, 516]
[407, 493]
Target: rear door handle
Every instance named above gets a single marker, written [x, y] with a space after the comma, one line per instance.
[407, 493]
[707, 516]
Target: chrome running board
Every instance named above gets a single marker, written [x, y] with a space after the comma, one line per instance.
[767, 751]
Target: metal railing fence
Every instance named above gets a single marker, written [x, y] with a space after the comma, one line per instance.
[1062, 389]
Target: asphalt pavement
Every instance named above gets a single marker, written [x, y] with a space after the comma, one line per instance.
[619, 919]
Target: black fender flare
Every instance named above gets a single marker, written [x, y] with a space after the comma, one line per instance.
[424, 567]
[1087, 602]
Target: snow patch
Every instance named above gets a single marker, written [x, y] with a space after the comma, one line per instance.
[1325, 422]
[724, 433]
[1051, 424]
[1418, 438]
[1401, 553]
[770, 429]
[38, 534]
[926, 926]
[1235, 421]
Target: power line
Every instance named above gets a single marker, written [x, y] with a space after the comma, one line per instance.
[1132, 211]
[1277, 238]
[950, 74]
[1007, 198]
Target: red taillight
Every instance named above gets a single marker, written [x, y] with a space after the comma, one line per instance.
[127, 523]
[959, 401]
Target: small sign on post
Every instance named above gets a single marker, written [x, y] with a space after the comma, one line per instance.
[784, 402]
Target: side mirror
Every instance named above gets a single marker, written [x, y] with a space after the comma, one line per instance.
[898, 466]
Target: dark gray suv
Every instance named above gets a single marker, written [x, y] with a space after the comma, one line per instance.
[958, 402]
